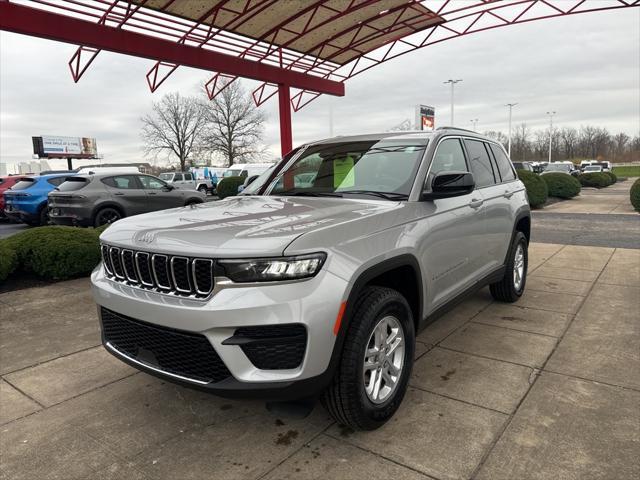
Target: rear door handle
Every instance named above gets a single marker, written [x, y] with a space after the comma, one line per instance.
[119, 194]
[152, 193]
[476, 202]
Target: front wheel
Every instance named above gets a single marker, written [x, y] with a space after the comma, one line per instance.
[376, 361]
[511, 287]
[203, 189]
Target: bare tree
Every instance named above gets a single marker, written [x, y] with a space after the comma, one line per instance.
[569, 139]
[175, 126]
[235, 126]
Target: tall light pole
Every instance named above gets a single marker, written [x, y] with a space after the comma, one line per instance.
[510, 105]
[551, 114]
[452, 82]
[474, 122]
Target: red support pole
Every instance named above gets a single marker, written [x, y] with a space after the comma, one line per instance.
[286, 136]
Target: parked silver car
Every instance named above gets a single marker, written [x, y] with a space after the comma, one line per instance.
[317, 282]
[94, 200]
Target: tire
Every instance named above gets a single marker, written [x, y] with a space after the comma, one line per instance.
[203, 189]
[508, 289]
[105, 216]
[43, 218]
[347, 399]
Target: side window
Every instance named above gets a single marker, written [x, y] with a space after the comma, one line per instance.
[244, 174]
[151, 183]
[187, 176]
[125, 182]
[449, 157]
[56, 181]
[480, 163]
[504, 164]
[177, 177]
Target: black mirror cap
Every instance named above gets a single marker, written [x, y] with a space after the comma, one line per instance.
[450, 184]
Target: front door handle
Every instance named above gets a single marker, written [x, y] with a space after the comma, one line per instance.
[152, 193]
[507, 194]
[119, 194]
[476, 202]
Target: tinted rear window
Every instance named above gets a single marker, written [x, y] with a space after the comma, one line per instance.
[121, 181]
[72, 184]
[56, 181]
[480, 163]
[504, 164]
[24, 184]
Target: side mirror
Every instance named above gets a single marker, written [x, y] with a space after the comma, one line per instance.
[250, 179]
[450, 184]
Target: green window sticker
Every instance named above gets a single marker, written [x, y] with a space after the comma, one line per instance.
[343, 175]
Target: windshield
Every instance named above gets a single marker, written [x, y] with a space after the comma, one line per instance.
[557, 168]
[166, 176]
[376, 168]
[233, 173]
[258, 182]
[24, 184]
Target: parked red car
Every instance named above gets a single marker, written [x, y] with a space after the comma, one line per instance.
[5, 184]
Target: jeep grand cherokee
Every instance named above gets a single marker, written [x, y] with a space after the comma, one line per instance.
[316, 283]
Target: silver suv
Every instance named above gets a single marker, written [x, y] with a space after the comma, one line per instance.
[316, 282]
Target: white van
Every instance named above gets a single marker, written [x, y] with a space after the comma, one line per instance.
[182, 180]
[247, 169]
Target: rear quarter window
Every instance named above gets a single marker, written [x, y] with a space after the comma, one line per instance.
[56, 181]
[504, 164]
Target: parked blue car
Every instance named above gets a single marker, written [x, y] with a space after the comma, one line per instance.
[26, 201]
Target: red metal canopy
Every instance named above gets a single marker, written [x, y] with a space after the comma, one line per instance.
[313, 46]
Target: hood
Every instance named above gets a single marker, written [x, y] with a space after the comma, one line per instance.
[238, 226]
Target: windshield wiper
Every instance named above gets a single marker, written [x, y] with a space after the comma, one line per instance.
[309, 194]
[386, 195]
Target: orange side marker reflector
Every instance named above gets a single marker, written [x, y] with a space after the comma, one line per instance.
[336, 326]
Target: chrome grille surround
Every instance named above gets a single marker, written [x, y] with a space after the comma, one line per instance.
[175, 275]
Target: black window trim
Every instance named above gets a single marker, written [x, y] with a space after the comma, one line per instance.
[164, 182]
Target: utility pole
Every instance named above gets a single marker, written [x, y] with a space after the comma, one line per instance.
[510, 105]
[474, 122]
[452, 82]
[551, 114]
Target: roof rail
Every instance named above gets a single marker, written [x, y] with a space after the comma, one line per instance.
[457, 128]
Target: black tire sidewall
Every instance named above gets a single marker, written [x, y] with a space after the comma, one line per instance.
[377, 414]
[519, 239]
[100, 212]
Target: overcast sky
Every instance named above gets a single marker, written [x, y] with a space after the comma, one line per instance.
[586, 67]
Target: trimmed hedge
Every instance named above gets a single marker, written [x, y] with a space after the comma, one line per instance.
[561, 185]
[228, 186]
[55, 252]
[596, 179]
[8, 261]
[613, 176]
[537, 189]
[634, 195]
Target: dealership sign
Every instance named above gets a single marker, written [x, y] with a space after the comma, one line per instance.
[425, 117]
[52, 146]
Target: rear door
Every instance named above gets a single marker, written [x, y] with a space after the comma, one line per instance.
[451, 247]
[496, 206]
[127, 192]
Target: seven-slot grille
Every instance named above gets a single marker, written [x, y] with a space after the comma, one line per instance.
[171, 274]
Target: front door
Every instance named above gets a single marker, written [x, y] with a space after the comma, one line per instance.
[452, 231]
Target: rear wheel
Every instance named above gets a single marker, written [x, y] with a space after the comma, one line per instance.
[376, 361]
[511, 287]
[106, 216]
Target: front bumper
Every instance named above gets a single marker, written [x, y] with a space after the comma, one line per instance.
[312, 304]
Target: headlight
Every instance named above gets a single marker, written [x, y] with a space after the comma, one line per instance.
[273, 269]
